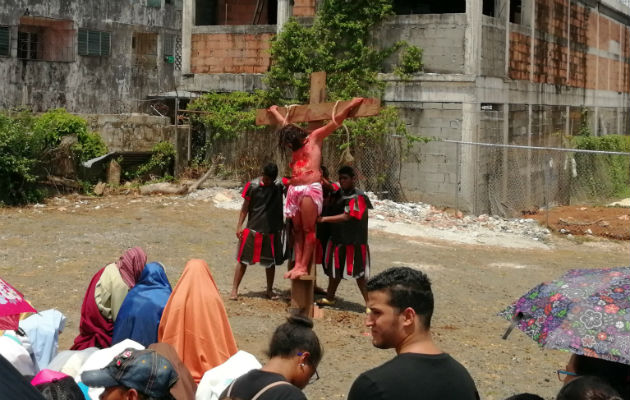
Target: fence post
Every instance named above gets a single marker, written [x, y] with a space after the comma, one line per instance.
[547, 179]
[458, 175]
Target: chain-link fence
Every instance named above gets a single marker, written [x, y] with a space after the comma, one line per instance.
[512, 180]
[377, 162]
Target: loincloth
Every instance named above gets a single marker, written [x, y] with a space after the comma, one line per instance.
[295, 195]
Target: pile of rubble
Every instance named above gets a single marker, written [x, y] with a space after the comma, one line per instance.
[410, 213]
[428, 215]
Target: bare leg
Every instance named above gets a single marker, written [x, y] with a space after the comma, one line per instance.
[362, 284]
[308, 217]
[298, 244]
[239, 271]
[333, 284]
[270, 272]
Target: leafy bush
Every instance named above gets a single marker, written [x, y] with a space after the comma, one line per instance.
[228, 114]
[161, 162]
[602, 176]
[26, 143]
[410, 61]
[18, 160]
[90, 145]
[53, 125]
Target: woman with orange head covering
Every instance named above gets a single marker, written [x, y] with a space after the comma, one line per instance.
[195, 323]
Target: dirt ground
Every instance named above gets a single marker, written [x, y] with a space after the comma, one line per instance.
[610, 222]
[51, 252]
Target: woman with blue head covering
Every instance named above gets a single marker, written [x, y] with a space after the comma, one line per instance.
[141, 311]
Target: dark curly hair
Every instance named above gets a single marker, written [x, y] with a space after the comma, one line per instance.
[407, 287]
[292, 135]
[294, 336]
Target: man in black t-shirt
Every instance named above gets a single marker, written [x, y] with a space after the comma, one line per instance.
[400, 306]
[261, 241]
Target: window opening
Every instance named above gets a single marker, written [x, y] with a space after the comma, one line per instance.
[516, 11]
[5, 42]
[236, 12]
[27, 45]
[46, 39]
[206, 12]
[168, 48]
[144, 46]
[94, 43]
[405, 7]
[154, 3]
[488, 7]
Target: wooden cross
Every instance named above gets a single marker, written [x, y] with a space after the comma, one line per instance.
[302, 290]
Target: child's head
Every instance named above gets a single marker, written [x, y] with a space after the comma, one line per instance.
[270, 171]
[291, 136]
[588, 388]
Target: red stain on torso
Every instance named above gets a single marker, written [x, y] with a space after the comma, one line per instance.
[305, 165]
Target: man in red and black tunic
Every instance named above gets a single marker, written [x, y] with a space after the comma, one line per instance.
[347, 254]
[261, 241]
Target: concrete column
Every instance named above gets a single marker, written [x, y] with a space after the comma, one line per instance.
[528, 9]
[506, 6]
[470, 133]
[568, 43]
[284, 13]
[472, 41]
[188, 21]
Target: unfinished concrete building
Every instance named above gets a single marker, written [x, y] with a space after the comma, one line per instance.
[527, 72]
[88, 56]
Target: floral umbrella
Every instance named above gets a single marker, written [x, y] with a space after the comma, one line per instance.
[12, 304]
[586, 312]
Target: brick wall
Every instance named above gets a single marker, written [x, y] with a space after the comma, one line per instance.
[304, 8]
[519, 56]
[230, 53]
[239, 12]
[599, 53]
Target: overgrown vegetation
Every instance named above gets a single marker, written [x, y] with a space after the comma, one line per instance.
[602, 176]
[17, 160]
[339, 42]
[410, 62]
[160, 164]
[28, 143]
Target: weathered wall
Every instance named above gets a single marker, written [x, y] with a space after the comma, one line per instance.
[440, 36]
[431, 174]
[131, 132]
[108, 84]
[231, 49]
[492, 47]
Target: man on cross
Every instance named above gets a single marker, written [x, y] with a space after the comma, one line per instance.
[304, 197]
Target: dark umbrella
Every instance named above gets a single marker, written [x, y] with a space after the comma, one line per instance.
[586, 312]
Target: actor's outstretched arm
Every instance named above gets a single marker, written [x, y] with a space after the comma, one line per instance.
[324, 131]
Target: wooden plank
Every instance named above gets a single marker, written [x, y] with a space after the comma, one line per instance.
[318, 87]
[319, 112]
[317, 95]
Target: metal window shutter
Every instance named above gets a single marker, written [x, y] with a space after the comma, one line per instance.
[154, 3]
[83, 42]
[4, 41]
[105, 43]
[94, 43]
[168, 44]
